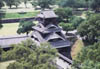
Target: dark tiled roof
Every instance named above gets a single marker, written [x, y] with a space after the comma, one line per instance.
[7, 41]
[47, 29]
[60, 44]
[53, 36]
[47, 14]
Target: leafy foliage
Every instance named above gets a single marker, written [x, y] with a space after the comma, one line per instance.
[88, 58]
[66, 3]
[1, 3]
[2, 14]
[72, 24]
[64, 14]
[81, 3]
[74, 3]
[43, 3]
[90, 29]
[30, 56]
[88, 14]
[1, 50]
[95, 5]
[1, 26]
[25, 26]
[25, 2]
[12, 2]
[66, 26]
[76, 21]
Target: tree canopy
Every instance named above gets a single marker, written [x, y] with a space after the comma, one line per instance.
[95, 5]
[25, 2]
[66, 26]
[44, 4]
[90, 29]
[1, 26]
[74, 3]
[13, 2]
[88, 58]
[25, 26]
[64, 14]
[1, 3]
[66, 3]
[76, 21]
[1, 16]
[28, 55]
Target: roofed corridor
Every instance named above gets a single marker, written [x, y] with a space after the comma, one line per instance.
[7, 41]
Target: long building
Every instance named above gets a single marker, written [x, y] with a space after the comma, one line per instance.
[6, 42]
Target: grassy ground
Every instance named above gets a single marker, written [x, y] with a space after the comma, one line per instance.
[3, 65]
[9, 29]
[76, 48]
[20, 15]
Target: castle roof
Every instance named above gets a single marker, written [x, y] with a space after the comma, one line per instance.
[47, 14]
[5, 42]
[47, 29]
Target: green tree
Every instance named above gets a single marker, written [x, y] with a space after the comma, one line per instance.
[25, 2]
[43, 3]
[1, 3]
[66, 3]
[64, 14]
[21, 50]
[88, 2]
[76, 21]
[1, 50]
[88, 58]
[30, 56]
[2, 14]
[12, 2]
[16, 3]
[25, 27]
[34, 3]
[82, 3]
[9, 3]
[1, 26]
[90, 29]
[66, 26]
[95, 5]
[15, 65]
[74, 3]
[88, 14]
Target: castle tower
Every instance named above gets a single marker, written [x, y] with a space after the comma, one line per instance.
[47, 30]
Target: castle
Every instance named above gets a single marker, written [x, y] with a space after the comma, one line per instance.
[47, 30]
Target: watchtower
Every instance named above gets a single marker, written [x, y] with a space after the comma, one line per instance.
[47, 30]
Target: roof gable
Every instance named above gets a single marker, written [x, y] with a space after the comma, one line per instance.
[47, 14]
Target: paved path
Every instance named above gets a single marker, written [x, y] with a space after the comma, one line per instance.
[62, 63]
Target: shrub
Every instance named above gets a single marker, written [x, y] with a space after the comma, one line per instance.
[76, 21]
[64, 14]
[66, 26]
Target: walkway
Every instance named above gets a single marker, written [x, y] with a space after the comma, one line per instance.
[62, 64]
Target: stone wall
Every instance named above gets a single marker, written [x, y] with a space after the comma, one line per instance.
[14, 20]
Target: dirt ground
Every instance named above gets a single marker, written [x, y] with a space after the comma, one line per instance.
[76, 48]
